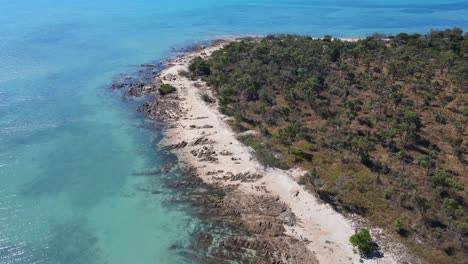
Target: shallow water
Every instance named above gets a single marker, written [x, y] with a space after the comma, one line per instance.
[69, 146]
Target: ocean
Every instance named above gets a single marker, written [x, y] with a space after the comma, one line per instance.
[71, 148]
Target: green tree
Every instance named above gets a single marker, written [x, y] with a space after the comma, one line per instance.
[428, 162]
[199, 67]
[288, 134]
[422, 203]
[400, 227]
[363, 241]
[362, 145]
[452, 207]
[408, 125]
[397, 98]
[354, 105]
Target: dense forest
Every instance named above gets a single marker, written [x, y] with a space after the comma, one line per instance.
[379, 123]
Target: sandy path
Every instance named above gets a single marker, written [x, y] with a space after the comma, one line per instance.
[326, 230]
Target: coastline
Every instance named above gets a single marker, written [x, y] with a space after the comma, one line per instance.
[200, 137]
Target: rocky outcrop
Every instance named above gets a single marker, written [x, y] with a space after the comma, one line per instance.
[180, 145]
[260, 236]
[240, 227]
[163, 109]
[242, 177]
[205, 154]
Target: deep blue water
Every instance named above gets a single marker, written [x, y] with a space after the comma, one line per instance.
[69, 146]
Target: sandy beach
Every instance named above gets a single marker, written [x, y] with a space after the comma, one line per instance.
[198, 133]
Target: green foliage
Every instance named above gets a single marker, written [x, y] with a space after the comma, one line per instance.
[399, 226]
[363, 241]
[462, 225]
[199, 67]
[428, 163]
[288, 134]
[358, 110]
[422, 203]
[354, 105]
[327, 38]
[444, 178]
[165, 89]
[408, 124]
[452, 207]
[207, 98]
[263, 152]
[397, 98]
[362, 145]
[403, 155]
[440, 118]
[444, 100]
[301, 155]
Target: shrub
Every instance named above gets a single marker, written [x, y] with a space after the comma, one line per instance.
[303, 179]
[446, 99]
[363, 241]
[403, 155]
[199, 67]
[452, 207]
[300, 155]
[400, 228]
[166, 89]
[207, 98]
[263, 152]
[440, 118]
[445, 179]
[183, 73]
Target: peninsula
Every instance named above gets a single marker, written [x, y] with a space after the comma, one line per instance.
[316, 140]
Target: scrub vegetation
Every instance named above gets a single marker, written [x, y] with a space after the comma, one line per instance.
[380, 124]
[165, 89]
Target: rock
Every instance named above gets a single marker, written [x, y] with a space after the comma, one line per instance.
[225, 153]
[242, 177]
[148, 65]
[180, 145]
[162, 109]
[118, 85]
[200, 141]
[292, 219]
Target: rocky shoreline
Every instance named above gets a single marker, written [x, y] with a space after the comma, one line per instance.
[248, 229]
[270, 217]
[245, 229]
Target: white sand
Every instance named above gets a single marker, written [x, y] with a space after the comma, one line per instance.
[327, 230]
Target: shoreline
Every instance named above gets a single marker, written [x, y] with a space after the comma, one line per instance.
[201, 139]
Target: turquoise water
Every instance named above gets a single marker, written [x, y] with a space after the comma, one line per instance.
[69, 146]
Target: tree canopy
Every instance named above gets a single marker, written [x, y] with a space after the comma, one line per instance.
[392, 108]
